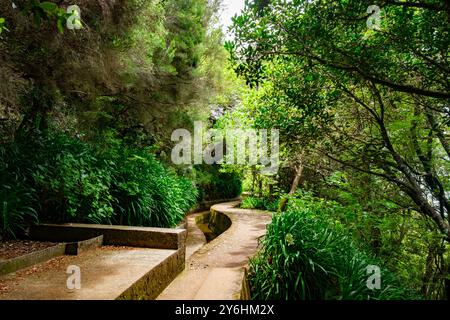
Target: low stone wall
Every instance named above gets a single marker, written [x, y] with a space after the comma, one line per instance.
[157, 279]
[143, 237]
[75, 248]
[27, 260]
[32, 258]
[206, 205]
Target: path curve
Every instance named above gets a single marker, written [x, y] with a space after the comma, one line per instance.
[215, 270]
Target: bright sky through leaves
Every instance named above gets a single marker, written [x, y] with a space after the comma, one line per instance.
[230, 9]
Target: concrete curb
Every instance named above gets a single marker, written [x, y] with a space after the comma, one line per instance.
[75, 248]
[30, 259]
[60, 249]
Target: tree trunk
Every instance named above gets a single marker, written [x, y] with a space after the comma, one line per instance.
[253, 181]
[260, 188]
[271, 191]
[447, 284]
[41, 100]
[294, 187]
[428, 275]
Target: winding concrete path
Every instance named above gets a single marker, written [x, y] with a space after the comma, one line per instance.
[215, 270]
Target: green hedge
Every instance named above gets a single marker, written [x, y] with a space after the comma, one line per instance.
[213, 184]
[306, 254]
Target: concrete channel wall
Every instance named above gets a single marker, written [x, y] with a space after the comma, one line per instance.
[204, 206]
[221, 220]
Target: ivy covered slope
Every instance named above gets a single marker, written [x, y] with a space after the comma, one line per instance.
[86, 113]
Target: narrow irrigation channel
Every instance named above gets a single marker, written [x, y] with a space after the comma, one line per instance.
[215, 270]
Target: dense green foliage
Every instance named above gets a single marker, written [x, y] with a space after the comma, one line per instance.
[86, 117]
[307, 254]
[89, 140]
[141, 68]
[363, 119]
[58, 178]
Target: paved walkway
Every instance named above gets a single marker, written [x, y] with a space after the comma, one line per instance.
[214, 271]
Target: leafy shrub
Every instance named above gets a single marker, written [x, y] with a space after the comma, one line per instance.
[73, 181]
[17, 207]
[18, 201]
[306, 254]
[148, 194]
[253, 203]
[215, 185]
[260, 203]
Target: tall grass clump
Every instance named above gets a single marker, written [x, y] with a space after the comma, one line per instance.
[263, 203]
[307, 254]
